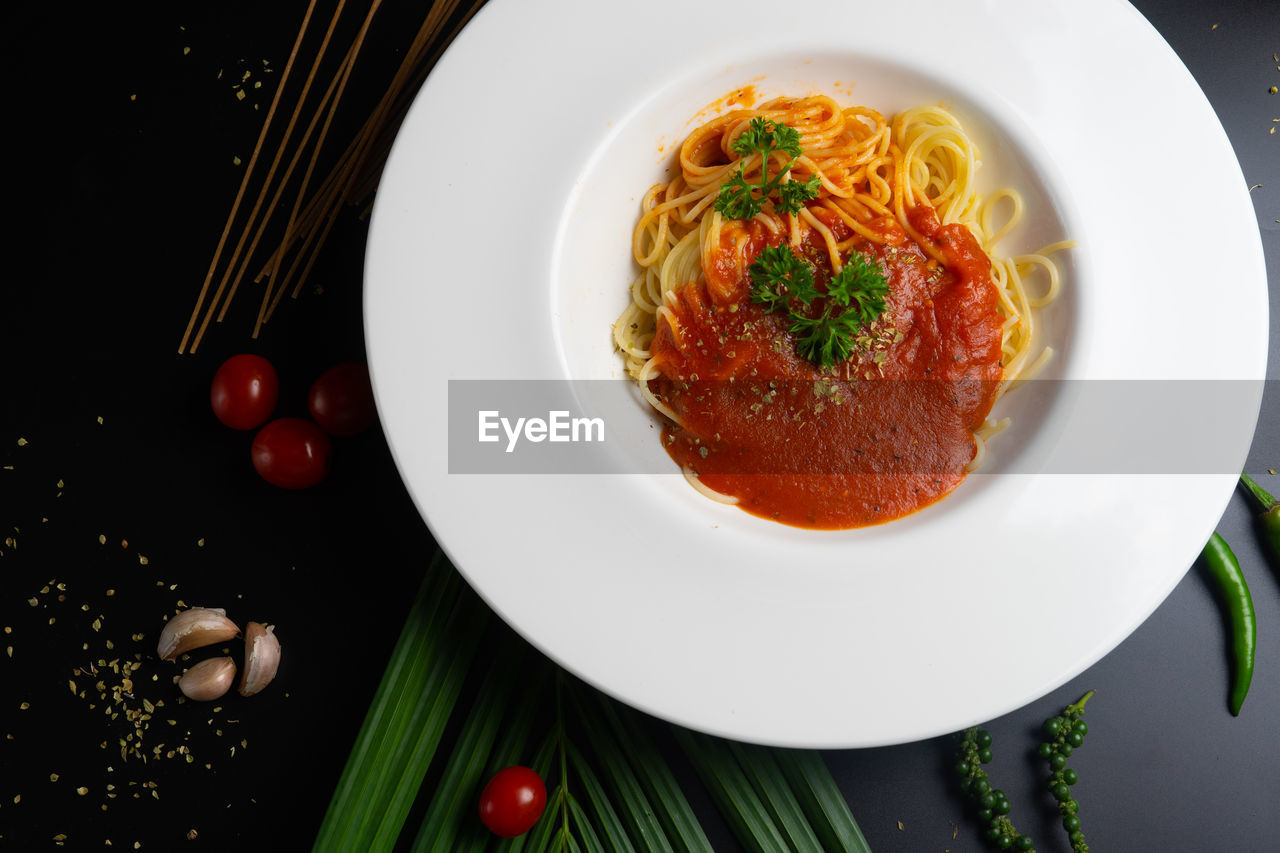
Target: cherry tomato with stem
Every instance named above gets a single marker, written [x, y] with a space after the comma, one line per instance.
[513, 801]
[244, 391]
[292, 453]
[341, 400]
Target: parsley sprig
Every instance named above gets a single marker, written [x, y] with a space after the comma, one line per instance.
[854, 299]
[741, 200]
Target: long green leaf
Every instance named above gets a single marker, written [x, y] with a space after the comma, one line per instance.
[659, 783]
[822, 800]
[615, 831]
[512, 747]
[419, 624]
[646, 829]
[386, 760]
[589, 838]
[731, 791]
[429, 716]
[464, 771]
[540, 836]
[759, 766]
[351, 810]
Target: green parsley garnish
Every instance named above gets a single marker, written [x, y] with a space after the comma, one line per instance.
[777, 275]
[860, 288]
[741, 200]
[854, 300]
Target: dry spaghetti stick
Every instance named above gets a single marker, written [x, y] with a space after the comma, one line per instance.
[353, 158]
[275, 164]
[280, 188]
[336, 87]
[340, 81]
[346, 74]
[412, 68]
[396, 103]
[244, 182]
[368, 181]
[313, 245]
[338, 186]
[310, 215]
[315, 253]
[306, 87]
[357, 151]
[319, 203]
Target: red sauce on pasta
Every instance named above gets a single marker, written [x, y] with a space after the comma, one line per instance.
[880, 436]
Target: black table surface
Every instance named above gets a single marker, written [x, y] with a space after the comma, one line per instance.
[121, 497]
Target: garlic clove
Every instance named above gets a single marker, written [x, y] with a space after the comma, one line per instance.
[261, 657]
[208, 679]
[193, 629]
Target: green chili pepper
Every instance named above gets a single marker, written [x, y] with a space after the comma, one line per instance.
[1270, 513]
[1225, 570]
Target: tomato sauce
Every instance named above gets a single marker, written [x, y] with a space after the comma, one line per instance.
[877, 437]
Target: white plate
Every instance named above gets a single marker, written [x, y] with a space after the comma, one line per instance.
[500, 249]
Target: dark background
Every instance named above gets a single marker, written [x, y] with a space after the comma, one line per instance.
[121, 145]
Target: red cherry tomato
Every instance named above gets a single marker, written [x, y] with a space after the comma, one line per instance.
[513, 801]
[244, 391]
[292, 453]
[341, 400]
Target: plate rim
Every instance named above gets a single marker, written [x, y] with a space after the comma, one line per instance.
[413, 465]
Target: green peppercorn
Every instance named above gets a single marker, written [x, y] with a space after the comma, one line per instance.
[1071, 823]
[990, 805]
[1070, 776]
[1075, 739]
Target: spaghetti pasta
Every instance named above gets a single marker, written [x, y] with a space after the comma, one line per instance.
[902, 193]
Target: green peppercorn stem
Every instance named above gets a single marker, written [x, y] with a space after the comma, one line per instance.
[1066, 732]
[990, 805]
